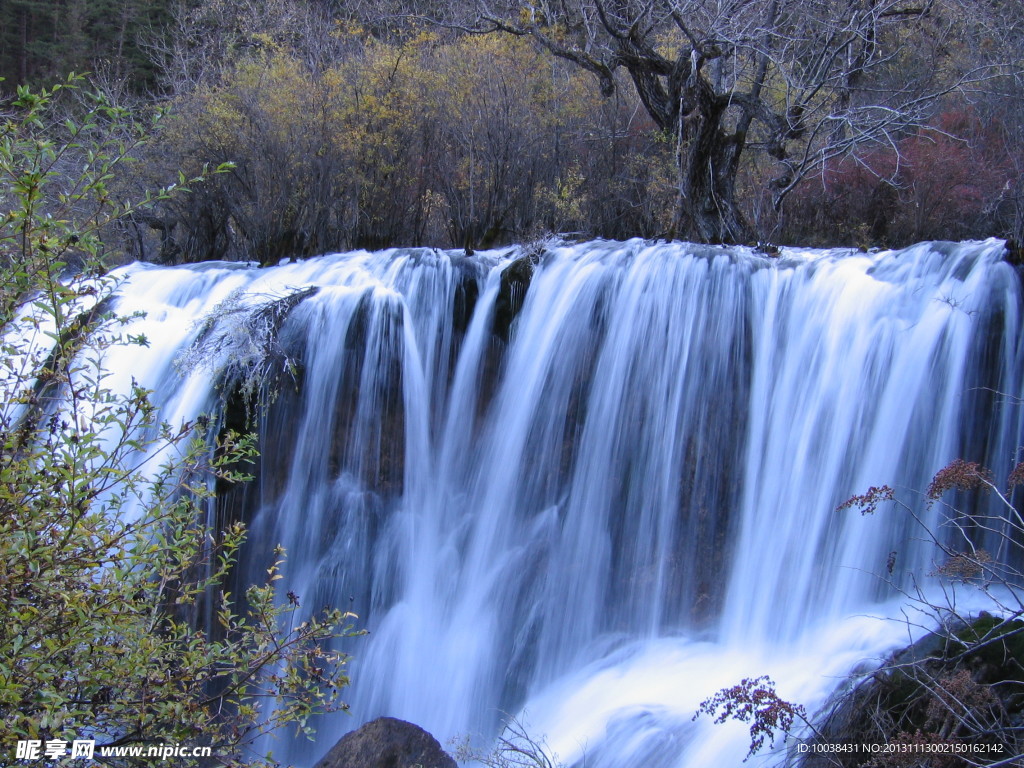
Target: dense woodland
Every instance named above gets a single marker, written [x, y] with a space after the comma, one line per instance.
[472, 123]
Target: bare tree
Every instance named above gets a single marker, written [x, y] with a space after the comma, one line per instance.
[202, 40]
[805, 81]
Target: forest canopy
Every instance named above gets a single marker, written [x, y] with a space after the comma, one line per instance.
[480, 122]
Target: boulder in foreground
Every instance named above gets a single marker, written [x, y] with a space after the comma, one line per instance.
[387, 743]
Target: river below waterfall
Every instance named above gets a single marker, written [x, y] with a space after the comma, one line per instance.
[592, 484]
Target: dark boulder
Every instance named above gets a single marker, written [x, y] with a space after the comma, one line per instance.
[387, 743]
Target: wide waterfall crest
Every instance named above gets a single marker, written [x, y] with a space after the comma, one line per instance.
[597, 482]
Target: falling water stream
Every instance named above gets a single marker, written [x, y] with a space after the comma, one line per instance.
[589, 485]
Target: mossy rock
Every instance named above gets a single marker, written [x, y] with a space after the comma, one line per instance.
[992, 640]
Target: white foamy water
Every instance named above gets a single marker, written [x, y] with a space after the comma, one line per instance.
[598, 515]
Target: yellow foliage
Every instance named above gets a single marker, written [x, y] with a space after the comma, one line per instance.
[447, 133]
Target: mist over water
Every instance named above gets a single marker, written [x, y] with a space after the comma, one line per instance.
[593, 484]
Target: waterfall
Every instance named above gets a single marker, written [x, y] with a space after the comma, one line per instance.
[592, 484]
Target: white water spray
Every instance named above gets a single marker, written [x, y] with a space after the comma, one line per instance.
[597, 501]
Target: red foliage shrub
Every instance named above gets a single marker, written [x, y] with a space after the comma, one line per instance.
[944, 182]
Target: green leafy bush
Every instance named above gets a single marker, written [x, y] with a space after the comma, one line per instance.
[105, 563]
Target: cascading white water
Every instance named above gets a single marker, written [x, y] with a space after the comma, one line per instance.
[598, 500]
